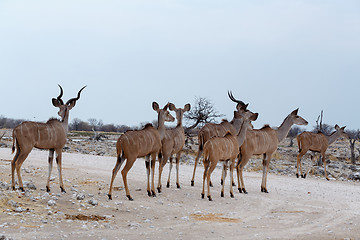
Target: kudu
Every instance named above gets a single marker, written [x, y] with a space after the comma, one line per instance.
[264, 141]
[141, 143]
[225, 149]
[316, 142]
[50, 135]
[219, 130]
[173, 143]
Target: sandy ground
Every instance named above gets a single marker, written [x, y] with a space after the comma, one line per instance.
[294, 208]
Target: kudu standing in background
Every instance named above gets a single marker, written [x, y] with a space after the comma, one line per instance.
[50, 135]
[141, 143]
[219, 130]
[225, 149]
[316, 142]
[173, 143]
[264, 141]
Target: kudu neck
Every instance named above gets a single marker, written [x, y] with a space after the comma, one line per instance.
[242, 132]
[333, 137]
[65, 122]
[161, 126]
[237, 123]
[284, 128]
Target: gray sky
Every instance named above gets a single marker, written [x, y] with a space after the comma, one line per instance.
[275, 55]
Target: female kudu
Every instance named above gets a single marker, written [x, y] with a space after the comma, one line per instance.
[264, 141]
[316, 142]
[141, 143]
[173, 143]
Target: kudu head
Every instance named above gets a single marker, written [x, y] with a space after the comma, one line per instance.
[242, 111]
[163, 113]
[240, 104]
[296, 119]
[65, 108]
[179, 111]
[340, 131]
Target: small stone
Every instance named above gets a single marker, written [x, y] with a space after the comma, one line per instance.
[51, 203]
[93, 202]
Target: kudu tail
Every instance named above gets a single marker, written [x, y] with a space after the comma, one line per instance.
[14, 140]
[201, 142]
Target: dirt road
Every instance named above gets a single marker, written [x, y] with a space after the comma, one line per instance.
[294, 208]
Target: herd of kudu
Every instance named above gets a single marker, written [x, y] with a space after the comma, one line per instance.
[223, 142]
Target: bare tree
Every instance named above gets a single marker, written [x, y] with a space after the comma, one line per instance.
[203, 112]
[354, 135]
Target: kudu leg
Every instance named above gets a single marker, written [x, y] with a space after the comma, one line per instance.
[13, 166]
[223, 177]
[298, 165]
[147, 164]
[208, 175]
[153, 161]
[232, 164]
[50, 161]
[59, 165]
[324, 162]
[206, 168]
[127, 167]
[162, 163]
[19, 161]
[178, 155]
[116, 169]
[195, 165]
[266, 163]
[170, 168]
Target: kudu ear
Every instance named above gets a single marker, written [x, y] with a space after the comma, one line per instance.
[343, 128]
[57, 102]
[337, 127]
[187, 107]
[155, 106]
[254, 117]
[172, 107]
[295, 112]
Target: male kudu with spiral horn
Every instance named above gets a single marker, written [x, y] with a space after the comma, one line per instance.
[50, 135]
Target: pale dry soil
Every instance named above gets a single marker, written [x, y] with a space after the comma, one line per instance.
[310, 208]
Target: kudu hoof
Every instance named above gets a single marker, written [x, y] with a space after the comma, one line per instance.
[153, 194]
[244, 191]
[222, 182]
[233, 184]
[202, 196]
[159, 189]
[231, 195]
[209, 197]
[178, 185]
[167, 184]
[192, 183]
[149, 193]
[222, 194]
[21, 189]
[130, 198]
[264, 190]
[297, 175]
[303, 176]
[62, 190]
[110, 197]
[211, 185]
[328, 179]
[47, 189]
[240, 191]
[13, 188]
